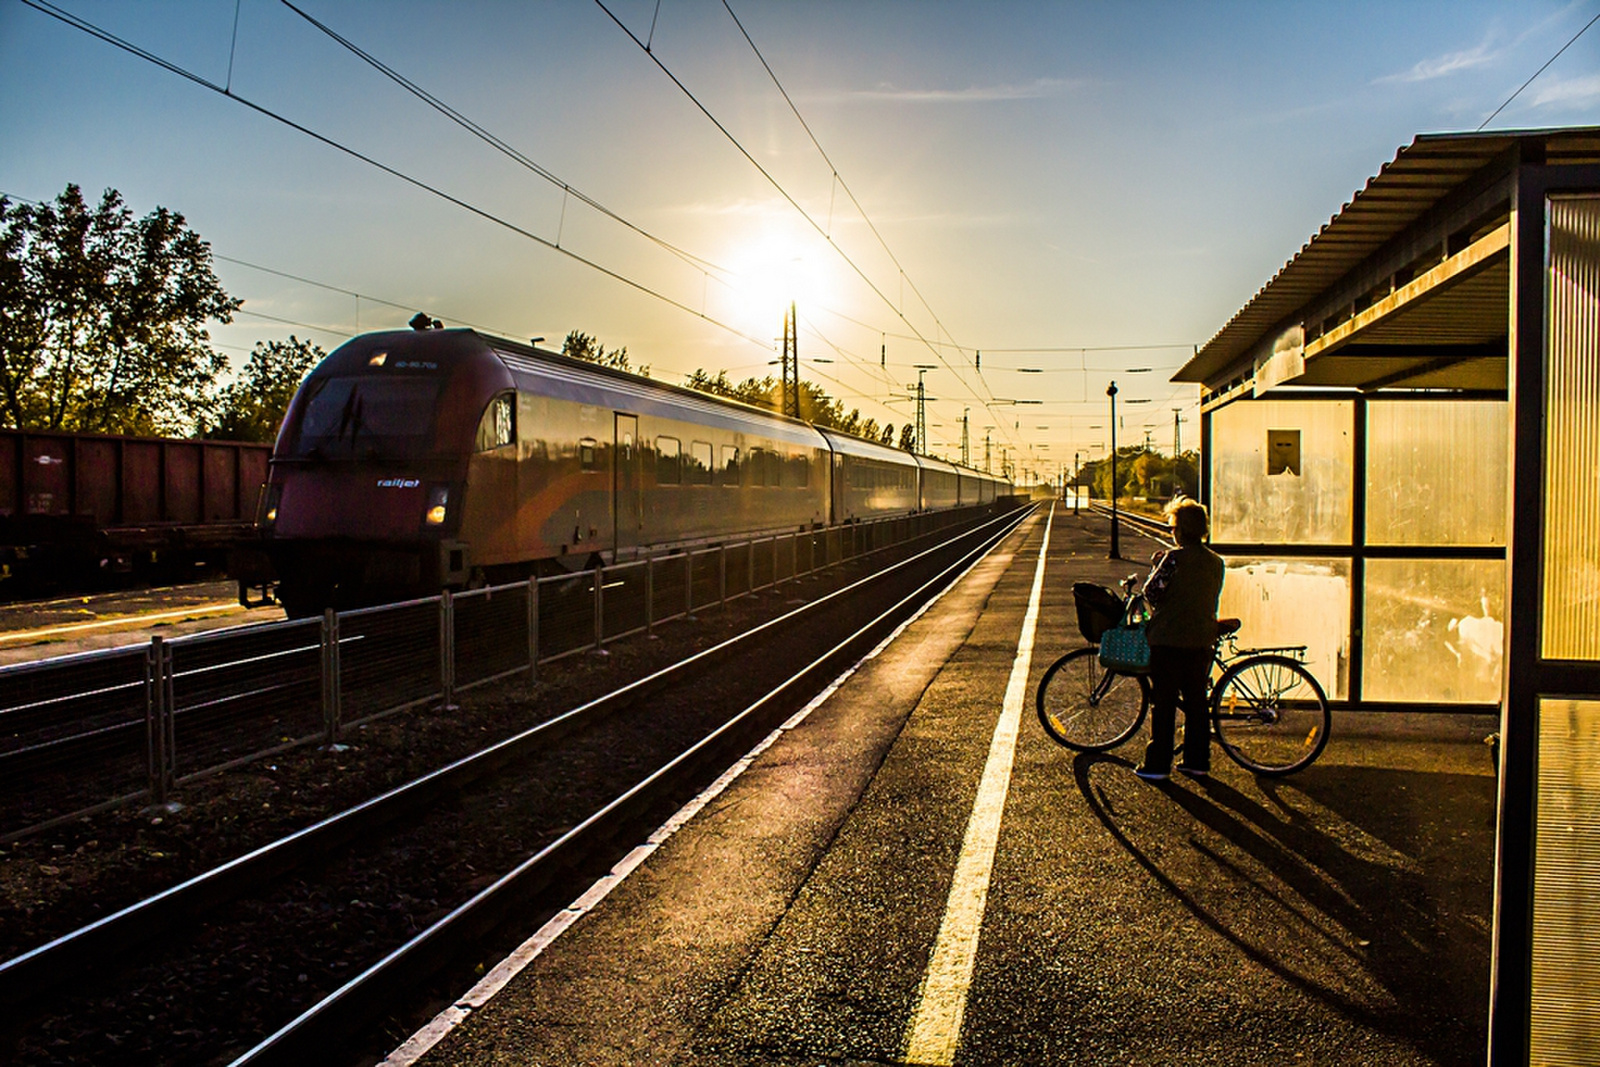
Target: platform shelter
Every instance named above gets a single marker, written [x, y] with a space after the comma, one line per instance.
[1401, 433]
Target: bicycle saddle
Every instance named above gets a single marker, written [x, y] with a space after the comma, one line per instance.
[1228, 626]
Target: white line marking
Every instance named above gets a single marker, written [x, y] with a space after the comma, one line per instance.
[418, 1044]
[936, 1024]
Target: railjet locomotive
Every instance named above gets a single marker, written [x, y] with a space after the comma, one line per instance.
[412, 461]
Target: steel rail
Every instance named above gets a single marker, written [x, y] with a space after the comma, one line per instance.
[364, 997]
[1139, 522]
[46, 967]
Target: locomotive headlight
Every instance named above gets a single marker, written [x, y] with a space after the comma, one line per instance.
[438, 505]
[269, 504]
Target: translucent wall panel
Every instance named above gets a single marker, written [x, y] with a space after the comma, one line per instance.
[1436, 472]
[1565, 1023]
[1572, 433]
[1294, 602]
[1310, 505]
[1435, 630]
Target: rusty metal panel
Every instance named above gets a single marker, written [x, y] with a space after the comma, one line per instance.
[96, 479]
[182, 481]
[46, 475]
[9, 475]
[141, 482]
[252, 476]
[220, 485]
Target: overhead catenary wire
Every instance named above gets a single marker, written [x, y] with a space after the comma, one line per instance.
[44, 7]
[1538, 72]
[787, 196]
[500, 145]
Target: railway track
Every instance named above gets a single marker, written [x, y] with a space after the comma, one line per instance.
[329, 931]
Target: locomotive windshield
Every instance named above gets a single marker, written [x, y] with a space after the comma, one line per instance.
[352, 417]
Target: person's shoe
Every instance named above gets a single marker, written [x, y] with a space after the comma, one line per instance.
[1150, 774]
[1195, 772]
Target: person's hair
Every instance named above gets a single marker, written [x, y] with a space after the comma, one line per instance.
[1189, 518]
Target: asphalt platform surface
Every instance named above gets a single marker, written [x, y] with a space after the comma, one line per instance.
[1340, 916]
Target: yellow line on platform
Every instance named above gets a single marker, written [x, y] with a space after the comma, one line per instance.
[196, 611]
[936, 1024]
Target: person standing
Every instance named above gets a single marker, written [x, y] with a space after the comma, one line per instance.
[1182, 591]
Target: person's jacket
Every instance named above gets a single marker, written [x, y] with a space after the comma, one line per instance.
[1182, 590]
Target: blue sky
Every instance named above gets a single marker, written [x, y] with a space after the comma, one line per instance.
[1045, 176]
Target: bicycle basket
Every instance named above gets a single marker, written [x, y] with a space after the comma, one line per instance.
[1099, 609]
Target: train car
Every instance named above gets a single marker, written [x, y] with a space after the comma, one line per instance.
[871, 480]
[415, 460]
[411, 461]
[76, 506]
[941, 484]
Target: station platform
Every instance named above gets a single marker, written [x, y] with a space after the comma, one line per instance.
[821, 908]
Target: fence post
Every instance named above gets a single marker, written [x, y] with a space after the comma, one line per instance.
[447, 652]
[599, 608]
[650, 595]
[722, 576]
[533, 630]
[332, 692]
[159, 735]
[688, 585]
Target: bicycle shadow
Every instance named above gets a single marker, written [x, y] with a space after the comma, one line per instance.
[1365, 888]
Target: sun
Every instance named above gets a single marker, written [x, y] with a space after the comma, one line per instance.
[772, 268]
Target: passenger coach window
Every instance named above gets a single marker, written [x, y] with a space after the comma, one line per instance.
[498, 425]
[667, 470]
[699, 463]
[588, 453]
[729, 472]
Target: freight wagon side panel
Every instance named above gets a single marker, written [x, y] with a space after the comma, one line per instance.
[220, 482]
[95, 478]
[9, 474]
[141, 483]
[182, 482]
[46, 476]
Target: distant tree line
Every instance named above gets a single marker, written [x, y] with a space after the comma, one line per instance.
[103, 321]
[1141, 472]
[103, 328]
[816, 406]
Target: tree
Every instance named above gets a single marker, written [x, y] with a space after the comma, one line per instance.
[908, 437]
[579, 345]
[251, 408]
[105, 318]
[887, 437]
[816, 406]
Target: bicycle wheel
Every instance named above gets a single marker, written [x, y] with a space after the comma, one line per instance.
[1271, 715]
[1084, 706]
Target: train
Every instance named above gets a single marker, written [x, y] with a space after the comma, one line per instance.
[82, 509]
[411, 461]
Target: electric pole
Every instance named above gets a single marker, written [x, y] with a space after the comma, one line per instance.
[791, 364]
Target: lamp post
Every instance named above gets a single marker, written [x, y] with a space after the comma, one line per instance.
[1116, 548]
[1077, 476]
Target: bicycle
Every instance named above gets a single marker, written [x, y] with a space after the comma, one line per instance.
[1267, 711]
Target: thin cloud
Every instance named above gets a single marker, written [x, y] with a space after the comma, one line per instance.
[1566, 92]
[1445, 65]
[1037, 89]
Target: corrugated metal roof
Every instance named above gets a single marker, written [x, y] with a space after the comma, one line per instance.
[1420, 175]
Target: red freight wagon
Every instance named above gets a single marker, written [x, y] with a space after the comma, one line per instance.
[72, 505]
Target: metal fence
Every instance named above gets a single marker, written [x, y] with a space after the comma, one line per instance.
[82, 733]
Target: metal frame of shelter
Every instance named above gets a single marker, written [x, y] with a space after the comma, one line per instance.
[1469, 267]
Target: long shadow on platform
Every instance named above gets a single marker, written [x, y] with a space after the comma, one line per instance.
[1342, 881]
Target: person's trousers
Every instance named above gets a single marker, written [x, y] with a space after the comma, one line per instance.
[1179, 677]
